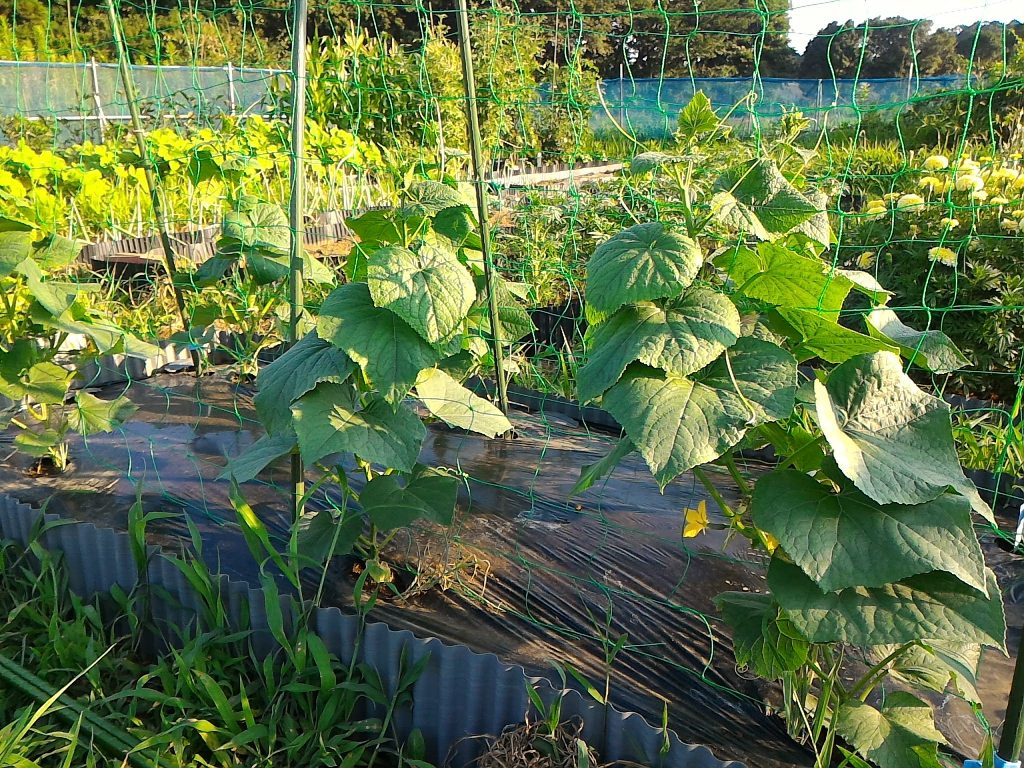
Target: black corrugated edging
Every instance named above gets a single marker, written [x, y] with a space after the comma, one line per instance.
[460, 693]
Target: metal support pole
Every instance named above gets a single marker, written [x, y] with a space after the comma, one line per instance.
[1011, 739]
[97, 102]
[232, 99]
[295, 212]
[124, 64]
[476, 154]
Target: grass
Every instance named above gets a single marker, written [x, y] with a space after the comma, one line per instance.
[77, 687]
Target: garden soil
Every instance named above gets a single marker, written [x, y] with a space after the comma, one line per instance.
[534, 576]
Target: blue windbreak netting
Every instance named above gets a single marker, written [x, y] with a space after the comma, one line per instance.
[649, 107]
[76, 91]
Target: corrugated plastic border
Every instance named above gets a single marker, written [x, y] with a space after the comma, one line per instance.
[460, 694]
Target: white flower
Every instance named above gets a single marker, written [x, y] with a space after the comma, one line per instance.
[909, 201]
[936, 162]
[979, 195]
[942, 255]
[969, 183]
[1010, 225]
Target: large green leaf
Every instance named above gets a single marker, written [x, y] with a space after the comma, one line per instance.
[932, 350]
[591, 473]
[678, 423]
[54, 296]
[322, 534]
[900, 735]
[430, 494]
[697, 117]
[458, 225]
[646, 162]
[847, 540]
[330, 419]
[382, 227]
[689, 335]
[455, 405]
[818, 336]
[47, 382]
[37, 444]
[429, 288]
[390, 353]
[90, 415]
[780, 276]
[263, 226]
[55, 252]
[644, 262]
[764, 638]
[15, 247]
[892, 440]
[109, 339]
[258, 456]
[935, 665]
[934, 606]
[761, 372]
[428, 198]
[756, 199]
[267, 267]
[514, 321]
[292, 375]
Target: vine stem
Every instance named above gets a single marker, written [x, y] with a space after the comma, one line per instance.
[730, 464]
[863, 686]
[715, 494]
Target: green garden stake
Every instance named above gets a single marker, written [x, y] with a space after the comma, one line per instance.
[295, 214]
[476, 155]
[131, 96]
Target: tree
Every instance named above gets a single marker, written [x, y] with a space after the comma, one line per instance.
[938, 55]
[881, 47]
[988, 43]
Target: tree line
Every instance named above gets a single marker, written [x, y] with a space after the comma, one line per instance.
[638, 38]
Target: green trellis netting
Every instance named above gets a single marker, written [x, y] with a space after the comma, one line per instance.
[920, 165]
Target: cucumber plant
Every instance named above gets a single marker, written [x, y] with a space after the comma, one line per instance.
[46, 331]
[402, 334]
[867, 518]
[240, 286]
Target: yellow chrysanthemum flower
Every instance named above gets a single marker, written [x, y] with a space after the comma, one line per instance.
[999, 200]
[1010, 225]
[909, 201]
[942, 255]
[936, 163]
[930, 183]
[948, 223]
[979, 195]
[1018, 214]
[696, 520]
[866, 260]
[969, 183]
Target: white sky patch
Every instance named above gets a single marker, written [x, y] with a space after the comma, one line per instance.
[806, 17]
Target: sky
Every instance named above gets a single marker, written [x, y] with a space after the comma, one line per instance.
[806, 17]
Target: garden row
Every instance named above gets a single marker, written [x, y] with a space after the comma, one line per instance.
[706, 289]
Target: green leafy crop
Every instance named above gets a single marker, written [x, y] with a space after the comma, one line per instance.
[867, 517]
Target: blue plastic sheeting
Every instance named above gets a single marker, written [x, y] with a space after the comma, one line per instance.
[649, 107]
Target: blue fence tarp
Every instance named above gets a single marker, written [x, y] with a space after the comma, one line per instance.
[650, 107]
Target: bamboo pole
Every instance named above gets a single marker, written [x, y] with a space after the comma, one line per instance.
[476, 155]
[131, 96]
